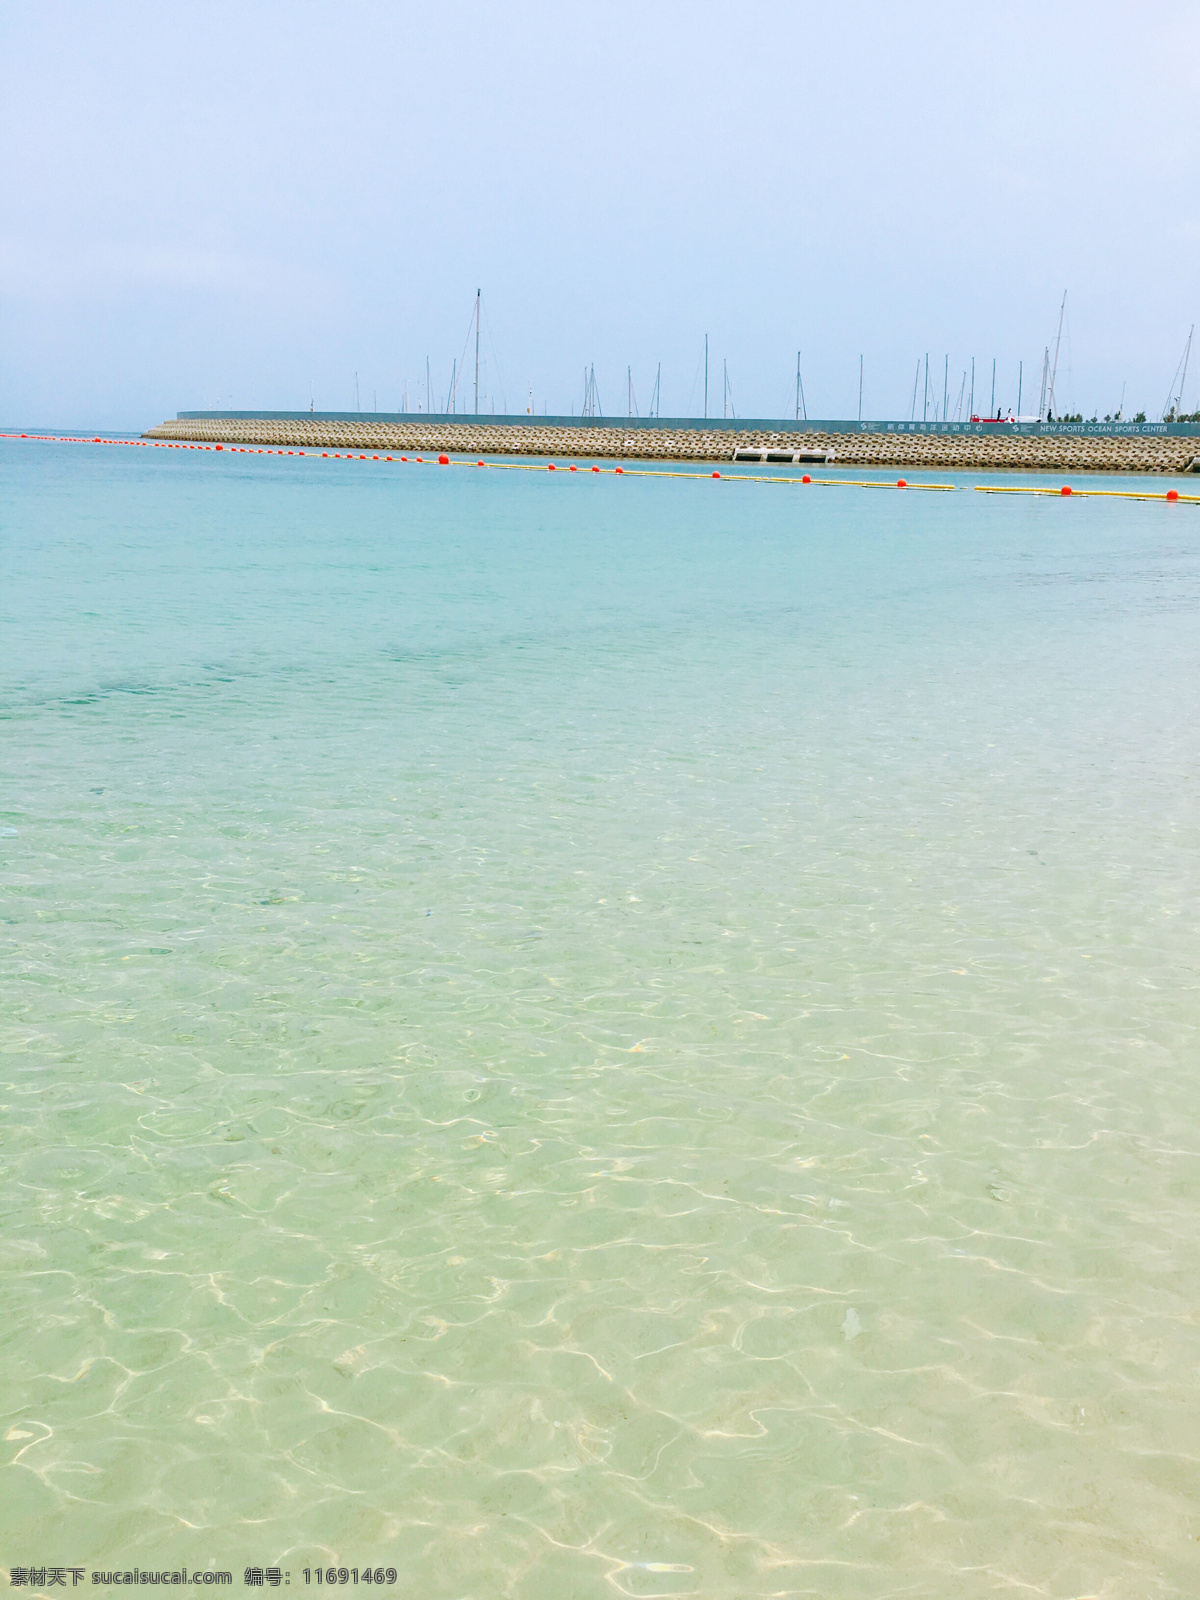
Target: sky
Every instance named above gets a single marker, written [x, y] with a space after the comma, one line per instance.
[259, 205]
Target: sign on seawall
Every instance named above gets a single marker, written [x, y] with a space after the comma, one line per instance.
[1027, 430]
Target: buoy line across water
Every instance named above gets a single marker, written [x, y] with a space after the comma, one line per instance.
[1069, 491]
[1066, 491]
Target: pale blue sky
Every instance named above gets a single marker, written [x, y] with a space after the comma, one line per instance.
[249, 202]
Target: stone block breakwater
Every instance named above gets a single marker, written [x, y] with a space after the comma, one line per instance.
[1065, 453]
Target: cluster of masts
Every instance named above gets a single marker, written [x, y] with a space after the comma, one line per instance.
[931, 408]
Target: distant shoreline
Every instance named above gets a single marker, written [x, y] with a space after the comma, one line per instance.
[1146, 447]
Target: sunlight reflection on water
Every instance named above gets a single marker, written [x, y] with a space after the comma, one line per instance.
[593, 1036]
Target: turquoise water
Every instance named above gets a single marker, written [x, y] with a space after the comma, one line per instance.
[587, 1036]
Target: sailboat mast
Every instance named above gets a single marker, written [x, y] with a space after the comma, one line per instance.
[1175, 398]
[1062, 311]
[1186, 354]
[477, 294]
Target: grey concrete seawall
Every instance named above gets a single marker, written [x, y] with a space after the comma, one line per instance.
[1060, 452]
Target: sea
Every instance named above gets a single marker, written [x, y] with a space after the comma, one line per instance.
[580, 1035]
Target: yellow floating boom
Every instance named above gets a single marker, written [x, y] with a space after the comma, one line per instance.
[805, 482]
[1068, 492]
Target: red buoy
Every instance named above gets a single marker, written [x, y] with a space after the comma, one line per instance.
[1066, 489]
[618, 469]
[901, 483]
[595, 469]
[1172, 494]
[574, 468]
[716, 474]
[549, 466]
[479, 463]
[443, 461]
[806, 478]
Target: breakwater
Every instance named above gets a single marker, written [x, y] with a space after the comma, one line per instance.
[1075, 448]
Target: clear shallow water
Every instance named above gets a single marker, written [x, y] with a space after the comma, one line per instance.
[586, 1038]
